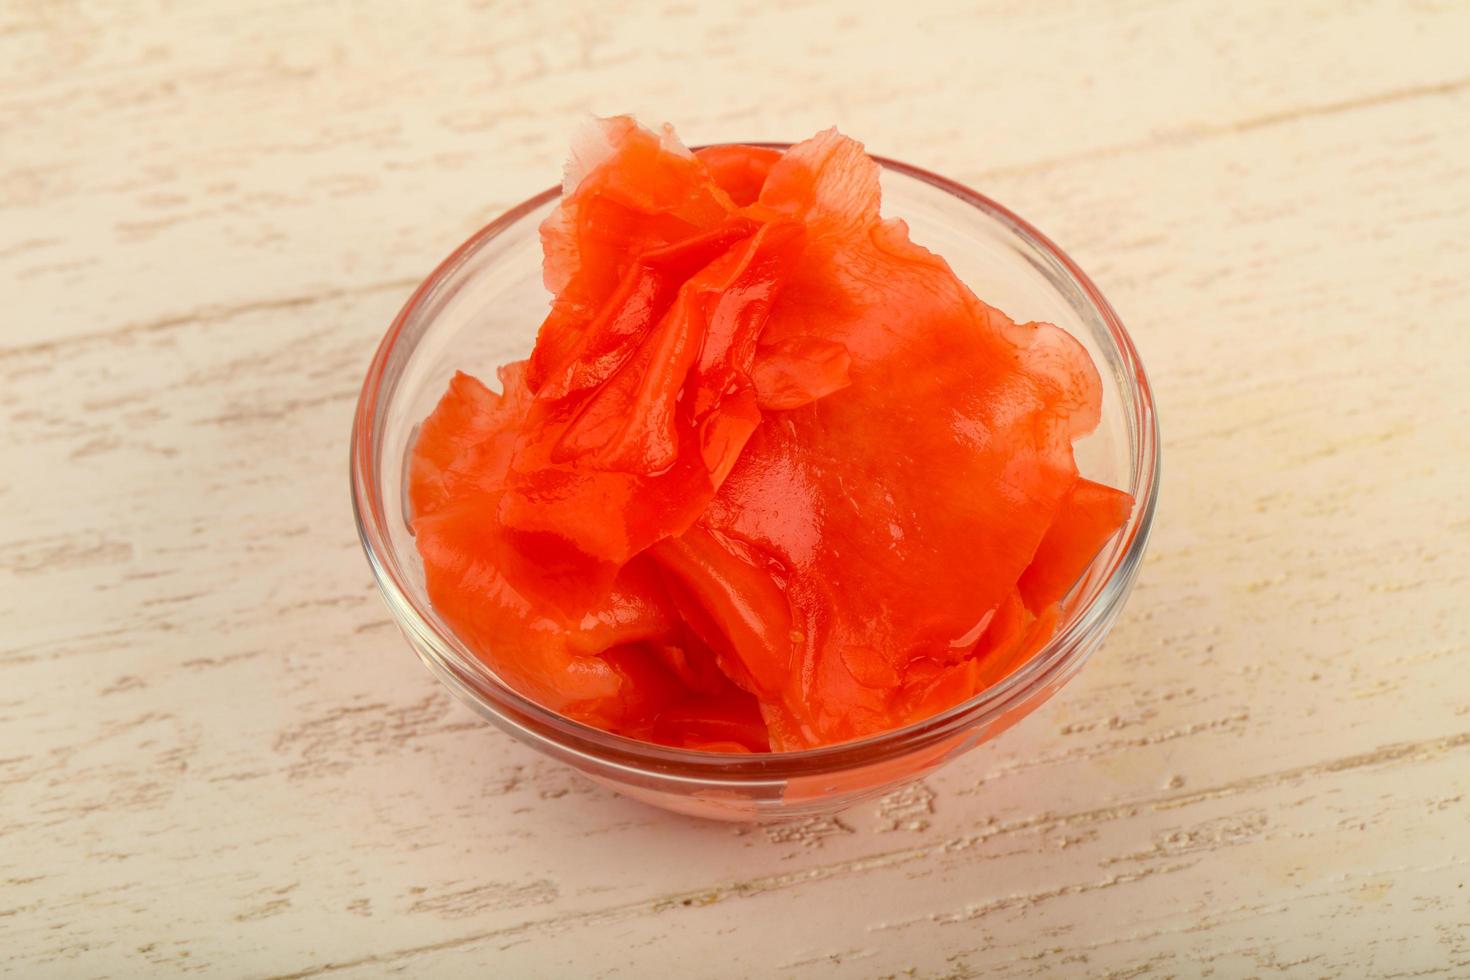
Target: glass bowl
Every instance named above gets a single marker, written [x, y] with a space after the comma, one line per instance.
[481, 307]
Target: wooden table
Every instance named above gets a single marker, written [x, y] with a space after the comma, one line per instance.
[218, 757]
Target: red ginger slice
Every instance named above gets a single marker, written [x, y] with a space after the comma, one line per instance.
[464, 446]
[799, 370]
[635, 449]
[900, 510]
[456, 480]
[739, 170]
[627, 191]
[616, 665]
[1089, 515]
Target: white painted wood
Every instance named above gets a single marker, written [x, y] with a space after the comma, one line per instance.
[216, 755]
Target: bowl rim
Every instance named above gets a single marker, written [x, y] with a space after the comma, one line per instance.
[534, 722]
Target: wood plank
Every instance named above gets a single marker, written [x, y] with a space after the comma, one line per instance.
[170, 162]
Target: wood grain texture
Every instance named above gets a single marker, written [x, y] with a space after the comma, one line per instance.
[217, 756]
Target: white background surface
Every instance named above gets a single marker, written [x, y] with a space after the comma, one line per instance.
[217, 756]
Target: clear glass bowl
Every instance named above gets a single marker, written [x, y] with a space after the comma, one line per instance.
[481, 307]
